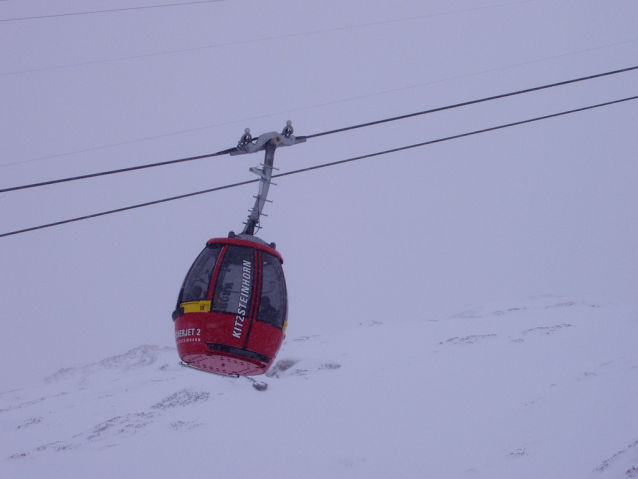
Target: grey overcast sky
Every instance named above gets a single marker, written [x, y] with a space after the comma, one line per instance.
[544, 208]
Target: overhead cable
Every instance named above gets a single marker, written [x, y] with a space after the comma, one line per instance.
[454, 137]
[112, 172]
[256, 40]
[330, 132]
[325, 165]
[72, 14]
[309, 107]
[472, 102]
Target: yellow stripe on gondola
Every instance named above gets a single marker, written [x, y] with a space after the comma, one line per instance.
[196, 307]
[285, 326]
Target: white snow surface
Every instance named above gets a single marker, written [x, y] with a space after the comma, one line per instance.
[541, 387]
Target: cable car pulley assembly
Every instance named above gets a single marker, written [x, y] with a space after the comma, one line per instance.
[232, 309]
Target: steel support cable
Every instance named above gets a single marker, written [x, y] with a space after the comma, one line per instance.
[112, 172]
[454, 137]
[144, 7]
[473, 102]
[242, 42]
[212, 1]
[325, 165]
[330, 132]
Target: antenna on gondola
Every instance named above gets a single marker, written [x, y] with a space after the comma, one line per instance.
[267, 142]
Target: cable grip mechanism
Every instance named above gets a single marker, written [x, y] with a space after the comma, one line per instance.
[267, 142]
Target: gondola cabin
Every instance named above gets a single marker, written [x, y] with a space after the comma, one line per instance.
[232, 309]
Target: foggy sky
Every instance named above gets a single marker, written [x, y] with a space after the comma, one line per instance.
[545, 208]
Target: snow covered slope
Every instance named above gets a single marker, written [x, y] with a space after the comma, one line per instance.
[541, 387]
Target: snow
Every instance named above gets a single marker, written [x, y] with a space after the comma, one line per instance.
[526, 389]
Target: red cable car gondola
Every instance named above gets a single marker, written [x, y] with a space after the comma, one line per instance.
[232, 309]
